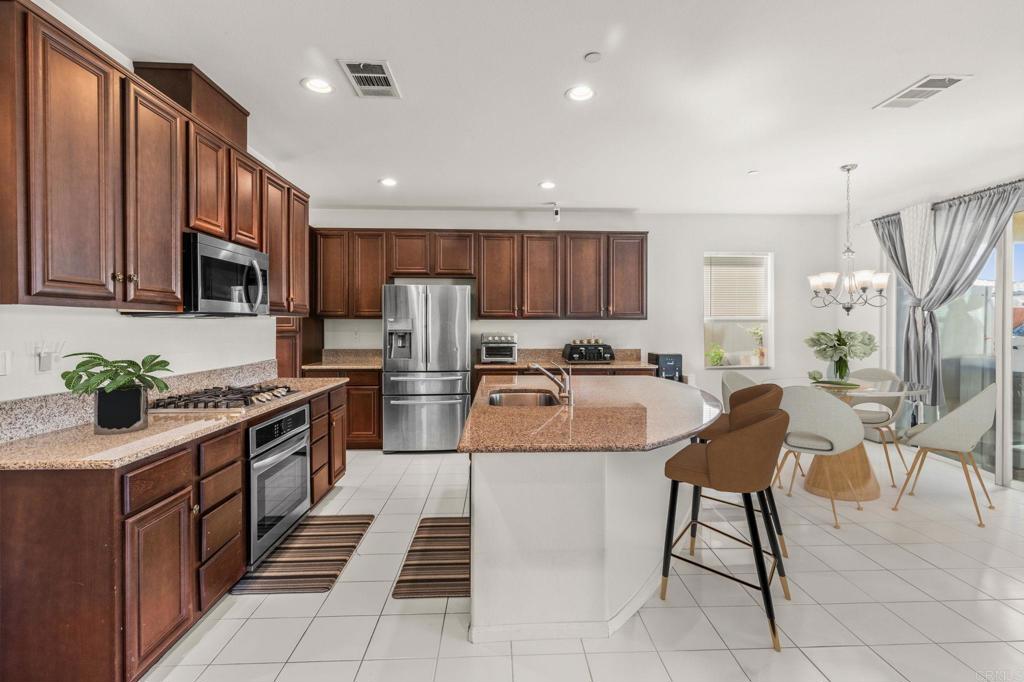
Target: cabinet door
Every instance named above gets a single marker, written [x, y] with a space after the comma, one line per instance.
[454, 254]
[298, 270]
[367, 273]
[275, 239]
[154, 193]
[409, 253]
[585, 275]
[158, 579]
[288, 354]
[338, 436]
[245, 201]
[364, 423]
[542, 276]
[498, 275]
[207, 182]
[332, 277]
[73, 164]
[627, 276]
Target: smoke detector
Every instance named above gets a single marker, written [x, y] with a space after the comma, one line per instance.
[370, 79]
[923, 89]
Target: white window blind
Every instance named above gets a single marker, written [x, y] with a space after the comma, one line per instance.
[736, 286]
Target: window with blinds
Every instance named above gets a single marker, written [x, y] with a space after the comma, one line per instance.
[738, 309]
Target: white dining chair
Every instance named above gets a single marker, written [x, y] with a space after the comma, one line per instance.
[881, 420]
[822, 425]
[733, 381]
[957, 434]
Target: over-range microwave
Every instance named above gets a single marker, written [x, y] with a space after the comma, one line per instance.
[221, 278]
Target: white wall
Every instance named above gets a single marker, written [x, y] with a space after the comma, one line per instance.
[191, 345]
[802, 245]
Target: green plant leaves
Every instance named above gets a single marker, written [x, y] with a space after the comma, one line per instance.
[96, 372]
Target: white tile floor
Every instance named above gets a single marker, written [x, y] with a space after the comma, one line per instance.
[922, 594]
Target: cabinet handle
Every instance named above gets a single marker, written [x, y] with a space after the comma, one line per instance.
[195, 510]
[117, 276]
[132, 277]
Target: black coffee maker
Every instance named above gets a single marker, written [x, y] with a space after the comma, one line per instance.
[670, 365]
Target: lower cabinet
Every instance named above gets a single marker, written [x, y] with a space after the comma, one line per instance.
[338, 436]
[363, 418]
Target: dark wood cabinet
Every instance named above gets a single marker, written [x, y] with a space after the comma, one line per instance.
[298, 255]
[586, 277]
[453, 254]
[246, 216]
[158, 579]
[364, 417]
[73, 164]
[289, 347]
[541, 280]
[338, 434]
[409, 254]
[367, 273]
[498, 275]
[274, 191]
[207, 182]
[627, 276]
[154, 199]
[332, 253]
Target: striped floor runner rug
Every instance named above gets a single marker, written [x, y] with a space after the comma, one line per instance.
[310, 559]
[437, 563]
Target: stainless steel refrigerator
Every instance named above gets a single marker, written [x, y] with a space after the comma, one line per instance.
[426, 366]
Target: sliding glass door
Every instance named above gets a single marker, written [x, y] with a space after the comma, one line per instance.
[1014, 371]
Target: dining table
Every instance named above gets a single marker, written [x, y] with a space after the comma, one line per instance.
[854, 462]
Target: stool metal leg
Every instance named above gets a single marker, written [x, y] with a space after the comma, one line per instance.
[773, 541]
[778, 522]
[670, 530]
[694, 514]
[762, 572]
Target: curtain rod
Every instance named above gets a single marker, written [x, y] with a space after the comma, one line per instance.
[961, 196]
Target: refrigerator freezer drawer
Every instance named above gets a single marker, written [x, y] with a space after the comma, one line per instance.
[425, 383]
[424, 423]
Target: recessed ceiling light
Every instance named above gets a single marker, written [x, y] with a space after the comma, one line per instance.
[546, 184]
[388, 182]
[318, 85]
[753, 171]
[579, 93]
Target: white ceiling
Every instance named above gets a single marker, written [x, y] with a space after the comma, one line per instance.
[690, 95]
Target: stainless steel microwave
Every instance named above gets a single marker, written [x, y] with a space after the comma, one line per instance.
[221, 278]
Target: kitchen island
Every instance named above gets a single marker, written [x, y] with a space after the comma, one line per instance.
[568, 503]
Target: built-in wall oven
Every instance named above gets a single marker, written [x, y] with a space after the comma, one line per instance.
[221, 278]
[279, 486]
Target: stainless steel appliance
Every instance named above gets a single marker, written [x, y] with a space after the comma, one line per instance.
[592, 351]
[426, 366]
[670, 365]
[499, 347]
[221, 278]
[279, 487]
[221, 398]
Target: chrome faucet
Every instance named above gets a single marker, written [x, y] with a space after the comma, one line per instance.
[564, 384]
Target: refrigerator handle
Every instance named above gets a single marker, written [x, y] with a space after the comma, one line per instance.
[426, 328]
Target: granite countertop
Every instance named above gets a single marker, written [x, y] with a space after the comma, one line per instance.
[79, 448]
[625, 358]
[612, 413]
[349, 359]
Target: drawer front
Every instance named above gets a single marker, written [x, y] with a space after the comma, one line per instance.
[220, 486]
[362, 378]
[321, 483]
[318, 406]
[156, 481]
[338, 397]
[221, 572]
[219, 526]
[318, 429]
[218, 452]
[318, 453]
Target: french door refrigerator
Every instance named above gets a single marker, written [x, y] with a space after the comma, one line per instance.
[426, 366]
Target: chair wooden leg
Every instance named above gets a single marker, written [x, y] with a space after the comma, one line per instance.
[793, 476]
[910, 474]
[981, 481]
[885, 449]
[670, 531]
[970, 488]
[762, 572]
[778, 521]
[779, 467]
[920, 467]
[896, 442]
[853, 491]
[803, 474]
[768, 516]
[831, 494]
[694, 515]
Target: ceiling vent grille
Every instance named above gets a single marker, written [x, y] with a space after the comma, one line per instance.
[920, 91]
[370, 79]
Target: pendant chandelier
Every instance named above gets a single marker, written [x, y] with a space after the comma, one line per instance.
[849, 288]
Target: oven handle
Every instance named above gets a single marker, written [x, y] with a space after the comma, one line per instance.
[264, 462]
[423, 402]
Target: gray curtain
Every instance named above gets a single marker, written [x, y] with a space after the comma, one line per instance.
[966, 229]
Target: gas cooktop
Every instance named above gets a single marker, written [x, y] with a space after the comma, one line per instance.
[223, 398]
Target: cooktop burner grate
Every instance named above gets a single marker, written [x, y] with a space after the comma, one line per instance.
[222, 398]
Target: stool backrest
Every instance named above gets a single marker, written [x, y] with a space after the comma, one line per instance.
[744, 459]
[756, 398]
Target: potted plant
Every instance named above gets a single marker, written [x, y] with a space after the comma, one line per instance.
[841, 347]
[715, 355]
[120, 388]
[757, 333]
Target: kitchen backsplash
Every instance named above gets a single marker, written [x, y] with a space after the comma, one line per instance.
[26, 417]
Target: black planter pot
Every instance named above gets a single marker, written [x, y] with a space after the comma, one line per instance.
[121, 411]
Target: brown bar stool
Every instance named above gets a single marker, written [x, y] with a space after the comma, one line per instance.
[743, 461]
[742, 403]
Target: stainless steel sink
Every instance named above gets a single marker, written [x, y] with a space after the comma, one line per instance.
[523, 399]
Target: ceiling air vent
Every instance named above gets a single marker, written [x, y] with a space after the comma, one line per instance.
[370, 79]
[920, 91]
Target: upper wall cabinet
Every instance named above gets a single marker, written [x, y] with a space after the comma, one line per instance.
[541, 281]
[520, 275]
[498, 275]
[276, 240]
[207, 182]
[367, 273]
[627, 276]
[246, 227]
[298, 257]
[409, 254]
[422, 253]
[454, 254]
[606, 275]
[332, 273]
